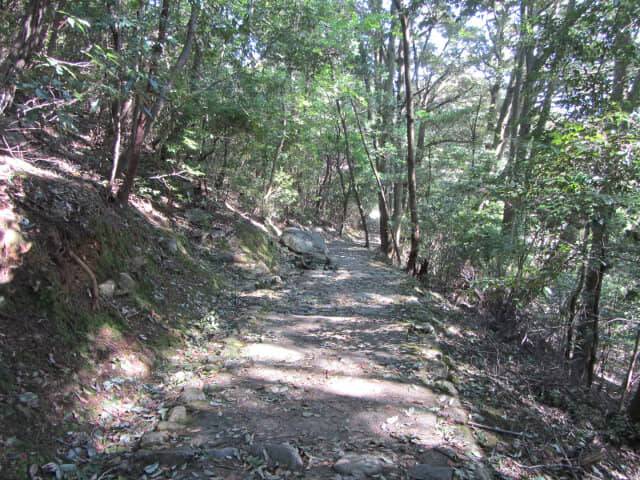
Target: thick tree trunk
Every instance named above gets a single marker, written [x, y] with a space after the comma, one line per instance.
[411, 170]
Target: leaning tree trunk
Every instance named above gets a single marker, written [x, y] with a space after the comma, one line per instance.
[411, 168]
[382, 197]
[274, 165]
[630, 369]
[143, 121]
[29, 41]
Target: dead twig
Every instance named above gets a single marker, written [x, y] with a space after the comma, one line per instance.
[564, 454]
[500, 430]
[94, 282]
[8, 149]
[550, 465]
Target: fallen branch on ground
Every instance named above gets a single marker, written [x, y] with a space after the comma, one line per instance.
[500, 430]
[94, 282]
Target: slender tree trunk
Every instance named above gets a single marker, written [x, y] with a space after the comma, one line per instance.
[58, 21]
[276, 157]
[323, 184]
[586, 342]
[117, 141]
[570, 313]
[222, 173]
[386, 103]
[346, 192]
[411, 171]
[632, 364]
[381, 193]
[363, 216]
[568, 309]
[143, 121]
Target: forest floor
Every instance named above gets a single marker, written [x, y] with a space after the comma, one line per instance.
[225, 363]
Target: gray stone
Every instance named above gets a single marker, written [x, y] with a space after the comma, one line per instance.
[169, 426]
[178, 414]
[192, 394]
[126, 284]
[235, 363]
[171, 245]
[283, 455]
[107, 289]
[137, 263]
[436, 458]
[309, 245]
[29, 399]
[455, 414]
[222, 453]
[224, 257]
[153, 439]
[429, 472]
[480, 471]
[172, 456]
[358, 465]
[447, 387]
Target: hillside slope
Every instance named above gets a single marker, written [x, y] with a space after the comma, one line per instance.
[175, 340]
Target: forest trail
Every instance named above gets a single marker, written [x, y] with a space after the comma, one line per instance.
[323, 379]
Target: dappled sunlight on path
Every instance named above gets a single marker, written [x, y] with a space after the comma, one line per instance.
[327, 367]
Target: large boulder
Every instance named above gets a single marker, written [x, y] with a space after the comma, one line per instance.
[309, 245]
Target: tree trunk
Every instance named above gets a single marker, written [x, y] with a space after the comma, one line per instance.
[381, 193]
[411, 171]
[363, 216]
[634, 407]
[29, 42]
[345, 197]
[326, 179]
[387, 104]
[144, 117]
[58, 22]
[586, 341]
[222, 173]
[632, 364]
[276, 157]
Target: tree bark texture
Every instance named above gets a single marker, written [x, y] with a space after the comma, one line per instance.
[363, 216]
[382, 197]
[411, 170]
[30, 41]
[586, 340]
[145, 115]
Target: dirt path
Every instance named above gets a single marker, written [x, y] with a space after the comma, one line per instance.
[322, 380]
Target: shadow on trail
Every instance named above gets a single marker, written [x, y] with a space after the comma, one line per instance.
[327, 368]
